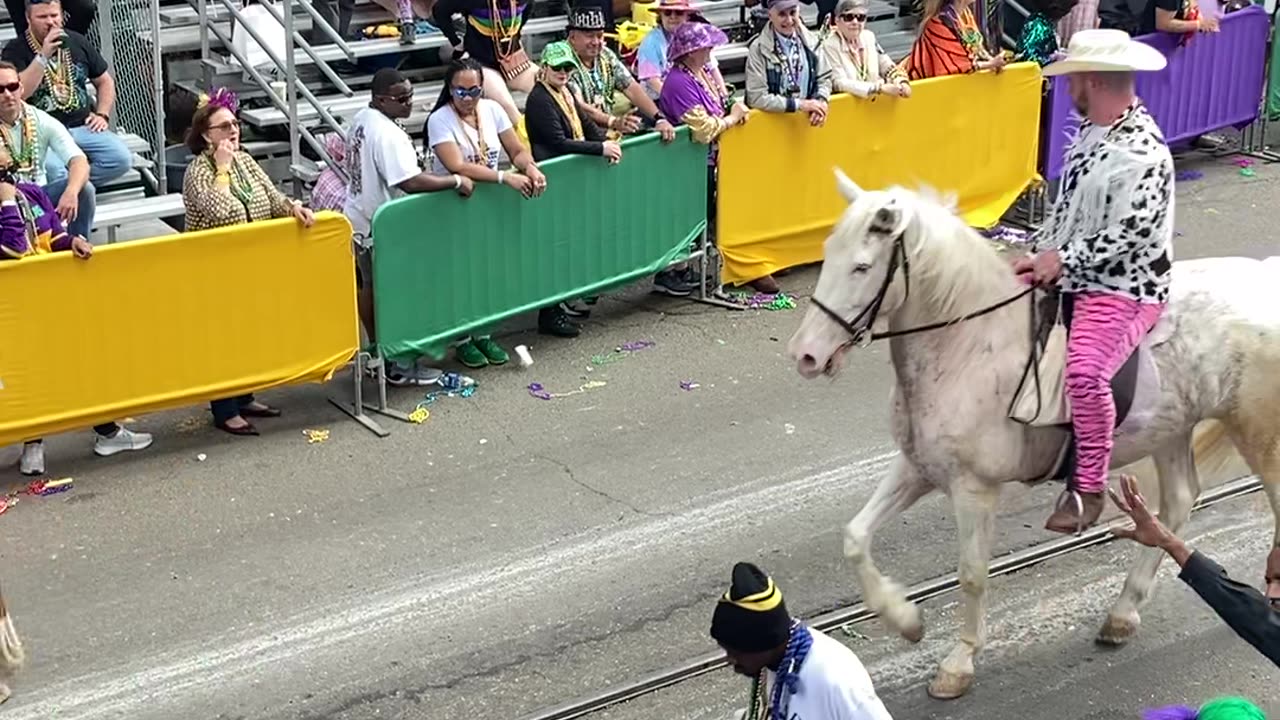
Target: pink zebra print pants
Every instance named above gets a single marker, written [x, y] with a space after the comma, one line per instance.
[1105, 330]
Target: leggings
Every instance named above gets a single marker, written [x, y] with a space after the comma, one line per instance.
[1105, 330]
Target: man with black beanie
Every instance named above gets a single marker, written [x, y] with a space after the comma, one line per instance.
[797, 673]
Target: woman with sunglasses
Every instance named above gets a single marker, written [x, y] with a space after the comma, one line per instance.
[859, 66]
[223, 186]
[652, 63]
[466, 134]
[557, 127]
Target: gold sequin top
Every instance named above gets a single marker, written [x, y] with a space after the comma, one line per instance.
[245, 194]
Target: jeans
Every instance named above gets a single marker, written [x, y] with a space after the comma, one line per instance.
[109, 158]
[88, 203]
[340, 21]
[227, 408]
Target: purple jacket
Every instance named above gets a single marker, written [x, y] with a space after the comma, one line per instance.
[50, 235]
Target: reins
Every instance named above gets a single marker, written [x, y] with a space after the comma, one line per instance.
[858, 330]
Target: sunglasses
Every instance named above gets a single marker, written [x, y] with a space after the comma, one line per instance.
[850, 17]
[463, 93]
[11, 88]
[674, 13]
[401, 99]
[563, 67]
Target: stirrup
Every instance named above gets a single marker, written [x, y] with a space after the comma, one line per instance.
[1079, 501]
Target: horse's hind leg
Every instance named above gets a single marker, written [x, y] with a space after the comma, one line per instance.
[1179, 488]
[974, 503]
[897, 491]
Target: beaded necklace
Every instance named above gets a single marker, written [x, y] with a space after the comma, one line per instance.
[700, 76]
[478, 144]
[858, 56]
[24, 155]
[57, 76]
[570, 113]
[240, 185]
[785, 682]
[792, 60]
[601, 77]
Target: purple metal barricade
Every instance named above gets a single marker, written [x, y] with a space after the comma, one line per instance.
[1214, 81]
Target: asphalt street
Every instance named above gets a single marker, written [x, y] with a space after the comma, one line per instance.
[512, 553]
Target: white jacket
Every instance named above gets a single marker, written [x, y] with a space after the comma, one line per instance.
[844, 74]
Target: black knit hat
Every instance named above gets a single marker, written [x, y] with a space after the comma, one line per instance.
[588, 18]
[751, 616]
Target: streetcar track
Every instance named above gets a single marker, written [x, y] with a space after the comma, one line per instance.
[857, 613]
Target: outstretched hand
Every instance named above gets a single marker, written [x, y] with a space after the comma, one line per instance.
[1147, 528]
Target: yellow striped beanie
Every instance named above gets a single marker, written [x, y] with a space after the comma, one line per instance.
[751, 616]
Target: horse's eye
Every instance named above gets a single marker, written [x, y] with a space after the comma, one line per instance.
[861, 268]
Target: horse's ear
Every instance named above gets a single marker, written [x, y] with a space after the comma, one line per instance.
[847, 187]
[887, 221]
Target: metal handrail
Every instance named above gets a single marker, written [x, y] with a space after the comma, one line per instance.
[300, 132]
[329, 30]
[306, 46]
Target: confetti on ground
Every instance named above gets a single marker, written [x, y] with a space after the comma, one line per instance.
[621, 352]
[688, 385]
[201, 457]
[764, 301]
[1210, 211]
[536, 390]
[40, 488]
[190, 425]
[1188, 175]
[316, 436]
[789, 428]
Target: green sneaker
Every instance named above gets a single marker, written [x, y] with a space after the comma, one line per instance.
[471, 356]
[492, 351]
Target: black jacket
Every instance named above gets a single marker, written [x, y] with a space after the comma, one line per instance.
[1241, 607]
[549, 132]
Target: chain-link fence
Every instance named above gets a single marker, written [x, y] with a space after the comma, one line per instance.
[130, 48]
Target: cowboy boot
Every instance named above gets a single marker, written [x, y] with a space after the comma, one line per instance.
[1075, 512]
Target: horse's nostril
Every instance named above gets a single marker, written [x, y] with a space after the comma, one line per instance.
[808, 360]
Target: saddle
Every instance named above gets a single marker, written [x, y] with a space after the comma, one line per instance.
[1040, 399]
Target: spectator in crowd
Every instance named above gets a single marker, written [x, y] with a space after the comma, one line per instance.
[950, 43]
[493, 39]
[557, 127]
[1083, 16]
[691, 95]
[382, 166]
[28, 134]
[652, 62]
[224, 186]
[859, 66]
[795, 671]
[1255, 617]
[338, 14]
[785, 70]
[29, 225]
[80, 14]
[330, 191]
[59, 67]
[1038, 42]
[466, 134]
[599, 74]
[1139, 17]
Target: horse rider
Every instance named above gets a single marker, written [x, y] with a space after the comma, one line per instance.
[1108, 242]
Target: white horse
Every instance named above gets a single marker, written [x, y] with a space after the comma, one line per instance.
[896, 261]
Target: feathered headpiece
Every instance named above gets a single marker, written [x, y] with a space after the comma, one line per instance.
[220, 97]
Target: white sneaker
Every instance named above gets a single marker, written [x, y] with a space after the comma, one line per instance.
[429, 375]
[33, 458]
[124, 439]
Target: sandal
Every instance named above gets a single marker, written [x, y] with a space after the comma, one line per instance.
[246, 429]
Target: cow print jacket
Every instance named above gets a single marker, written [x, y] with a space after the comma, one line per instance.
[1112, 222]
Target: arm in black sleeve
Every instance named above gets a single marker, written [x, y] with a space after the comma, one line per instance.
[541, 111]
[1241, 607]
[590, 130]
[442, 17]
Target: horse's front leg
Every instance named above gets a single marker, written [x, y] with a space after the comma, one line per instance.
[1179, 488]
[897, 491]
[974, 503]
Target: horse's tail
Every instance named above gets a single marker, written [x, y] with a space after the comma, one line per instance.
[11, 653]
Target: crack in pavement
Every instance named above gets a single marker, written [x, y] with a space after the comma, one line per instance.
[573, 478]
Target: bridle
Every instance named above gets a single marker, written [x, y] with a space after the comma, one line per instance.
[859, 328]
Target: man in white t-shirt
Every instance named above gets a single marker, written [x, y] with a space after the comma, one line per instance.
[382, 165]
[797, 673]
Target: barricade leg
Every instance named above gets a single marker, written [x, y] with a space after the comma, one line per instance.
[382, 408]
[355, 410]
[716, 296]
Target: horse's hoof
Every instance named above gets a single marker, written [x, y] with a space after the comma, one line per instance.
[1117, 631]
[906, 619]
[949, 686]
[4, 693]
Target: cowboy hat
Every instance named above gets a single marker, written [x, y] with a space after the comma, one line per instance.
[1106, 51]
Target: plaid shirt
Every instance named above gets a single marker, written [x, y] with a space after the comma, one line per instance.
[330, 193]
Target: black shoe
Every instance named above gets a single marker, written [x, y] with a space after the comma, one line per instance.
[591, 300]
[671, 282]
[554, 322]
[574, 310]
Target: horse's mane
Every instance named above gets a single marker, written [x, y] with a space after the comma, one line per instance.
[959, 268]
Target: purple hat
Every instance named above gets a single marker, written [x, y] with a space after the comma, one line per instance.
[692, 37]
